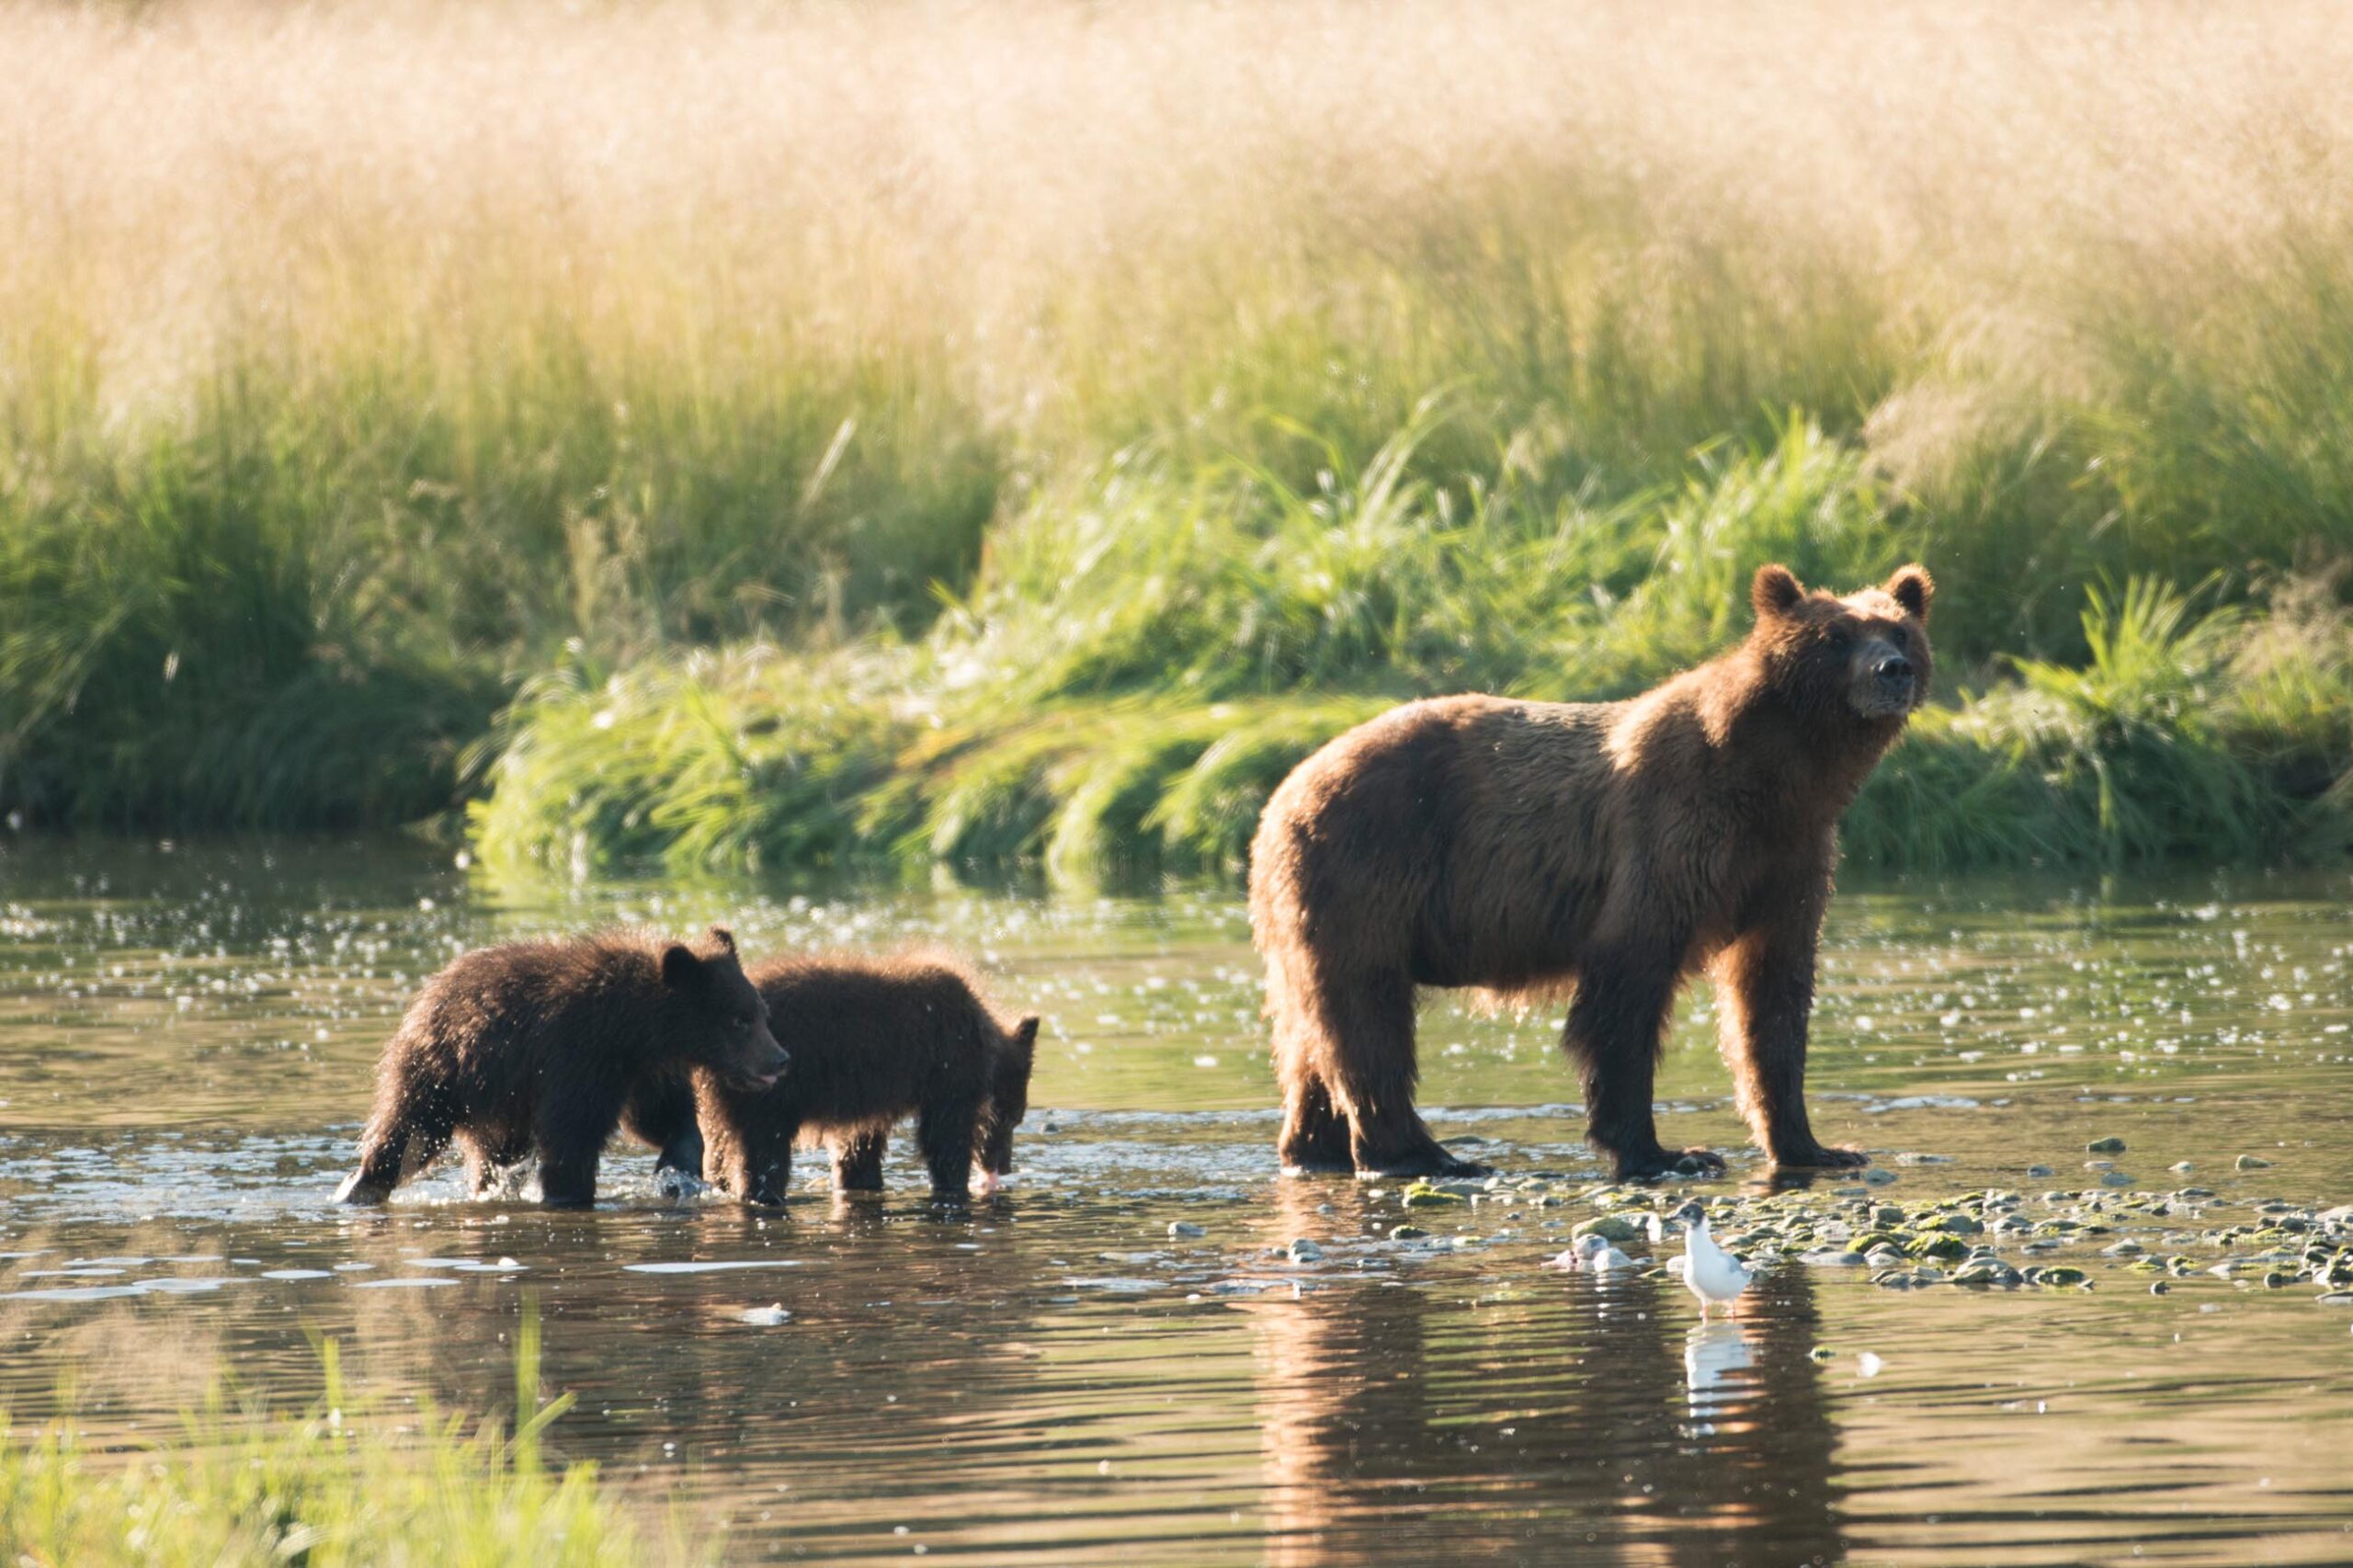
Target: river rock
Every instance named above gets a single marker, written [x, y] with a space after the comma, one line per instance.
[1986, 1271]
[1610, 1227]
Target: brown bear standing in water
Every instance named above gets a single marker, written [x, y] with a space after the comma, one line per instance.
[1617, 846]
[873, 1040]
[535, 1046]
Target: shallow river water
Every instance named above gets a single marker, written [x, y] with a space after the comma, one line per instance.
[185, 1038]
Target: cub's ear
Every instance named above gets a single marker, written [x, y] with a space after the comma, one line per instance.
[679, 965]
[1776, 591]
[723, 938]
[1913, 588]
[1025, 1033]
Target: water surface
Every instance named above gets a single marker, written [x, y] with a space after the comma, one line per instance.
[185, 1038]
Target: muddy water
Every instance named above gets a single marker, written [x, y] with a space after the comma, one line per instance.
[184, 1044]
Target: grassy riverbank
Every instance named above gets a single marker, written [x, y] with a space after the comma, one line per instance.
[2220, 736]
[1027, 430]
[348, 1482]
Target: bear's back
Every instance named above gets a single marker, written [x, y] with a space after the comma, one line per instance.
[869, 1036]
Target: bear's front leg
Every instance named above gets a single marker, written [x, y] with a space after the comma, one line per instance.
[1764, 1002]
[1614, 1032]
[858, 1161]
[749, 1151]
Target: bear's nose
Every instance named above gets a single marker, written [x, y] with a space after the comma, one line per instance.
[1894, 668]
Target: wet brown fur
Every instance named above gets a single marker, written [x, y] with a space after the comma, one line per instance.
[1615, 847]
[533, 1047]
[874, 1040]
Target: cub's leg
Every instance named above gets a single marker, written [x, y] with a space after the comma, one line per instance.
[574, 1121]
[858, 1160]
[751, 1157]
[489, 1152]
[410, 1128]
[661, 1111]
[944, 1133]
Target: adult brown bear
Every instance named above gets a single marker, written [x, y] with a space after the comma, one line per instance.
[1617, 846]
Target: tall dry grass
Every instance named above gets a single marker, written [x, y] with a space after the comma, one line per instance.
[353, 359]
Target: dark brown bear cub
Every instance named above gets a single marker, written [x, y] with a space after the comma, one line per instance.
[535, 1046]
[1617, 847]
[873, 1040]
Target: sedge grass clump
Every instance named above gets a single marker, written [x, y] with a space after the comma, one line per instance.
[345, 1483]
[2200, 734]
[2208, 734]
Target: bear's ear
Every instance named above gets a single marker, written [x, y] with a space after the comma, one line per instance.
[723, 938]
[1913, 588]
[1775, 592]
[679, 966]
[1025, 1033]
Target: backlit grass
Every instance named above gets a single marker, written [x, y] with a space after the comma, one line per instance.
[348, 1482]
[1014, 371]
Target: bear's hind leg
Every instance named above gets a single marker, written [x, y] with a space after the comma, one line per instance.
[1369, 1074]
[489, 1157]
[1314, 1135]
[661, 1111]
[400, 1141]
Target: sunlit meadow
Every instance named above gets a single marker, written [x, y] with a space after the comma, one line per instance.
[1057, 417]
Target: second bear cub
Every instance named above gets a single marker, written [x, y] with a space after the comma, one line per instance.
[873, 1040]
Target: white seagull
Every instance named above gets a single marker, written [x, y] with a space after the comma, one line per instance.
[1712, 1274]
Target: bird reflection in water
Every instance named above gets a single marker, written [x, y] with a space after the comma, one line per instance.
[1717, 1368]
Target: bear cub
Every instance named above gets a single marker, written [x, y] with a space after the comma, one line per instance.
[874, 1040]
[534, 1047]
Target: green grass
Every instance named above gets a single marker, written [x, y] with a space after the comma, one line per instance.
[300, 611]
[1134, 672]
[947, 453]
[344, 1485]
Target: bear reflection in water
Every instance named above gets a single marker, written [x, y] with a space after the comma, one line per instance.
[1441, 1418]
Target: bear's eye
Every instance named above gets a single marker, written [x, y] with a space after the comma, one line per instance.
[1841, 640]
[1899, 637]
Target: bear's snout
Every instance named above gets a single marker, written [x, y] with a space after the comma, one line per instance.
[1887, 680]
[764, 1064]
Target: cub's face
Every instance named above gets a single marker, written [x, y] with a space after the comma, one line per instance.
[1008, 1097]
[731, 1032]
[1867, 652]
